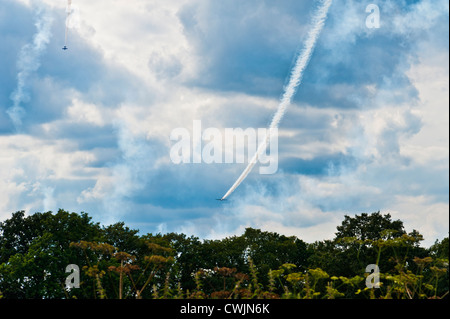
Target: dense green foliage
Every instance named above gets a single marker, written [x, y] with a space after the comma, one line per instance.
[116, 262]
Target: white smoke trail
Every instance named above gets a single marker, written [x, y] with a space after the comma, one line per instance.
[27, 63]
[295, 79]
[68, 12]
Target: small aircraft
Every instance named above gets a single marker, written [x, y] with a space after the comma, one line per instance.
[65, 48]
[221, 199]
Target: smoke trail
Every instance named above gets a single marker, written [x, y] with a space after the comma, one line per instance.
[68, 11]
[289, 91]
[27, 63]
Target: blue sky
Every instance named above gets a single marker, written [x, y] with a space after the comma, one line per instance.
[367, 129]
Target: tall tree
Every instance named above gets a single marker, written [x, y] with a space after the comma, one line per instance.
[367, 239]
[34, 252]
[369, 226]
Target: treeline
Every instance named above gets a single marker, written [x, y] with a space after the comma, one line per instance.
[116, 262]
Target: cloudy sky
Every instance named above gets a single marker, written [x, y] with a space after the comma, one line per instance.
[88, 129]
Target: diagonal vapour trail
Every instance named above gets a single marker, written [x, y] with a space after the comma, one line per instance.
[295, 79]
[27, 63]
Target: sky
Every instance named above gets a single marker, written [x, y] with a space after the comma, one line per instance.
[88, 129]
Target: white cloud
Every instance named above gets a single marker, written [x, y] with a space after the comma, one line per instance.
[396, 147]
[130, 33]
[83, 112]
[430, 77]
[30, 166]
[422, 213]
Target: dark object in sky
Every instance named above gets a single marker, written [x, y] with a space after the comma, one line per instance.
[65, 48]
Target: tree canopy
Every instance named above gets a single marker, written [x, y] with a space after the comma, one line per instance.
[118, 262]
